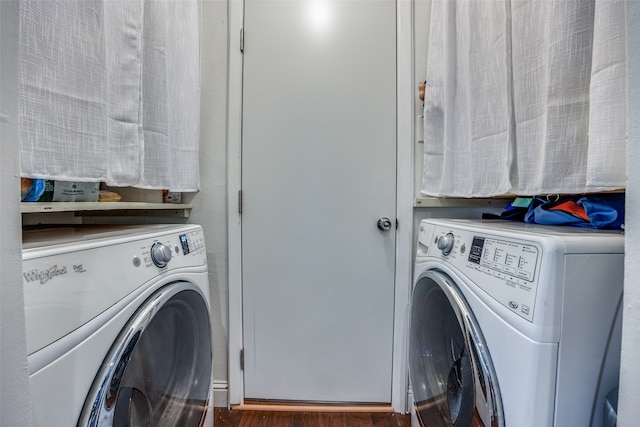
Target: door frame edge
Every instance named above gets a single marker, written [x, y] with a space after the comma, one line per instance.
[234, 185]
[404, 202]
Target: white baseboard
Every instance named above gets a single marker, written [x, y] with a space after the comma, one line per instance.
[220, 394]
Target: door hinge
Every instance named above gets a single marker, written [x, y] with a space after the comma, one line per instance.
[242, 359]
[239, 201]
[241, 39]
[397, 224]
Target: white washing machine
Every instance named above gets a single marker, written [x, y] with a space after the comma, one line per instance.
[118, 326]
[514, 324]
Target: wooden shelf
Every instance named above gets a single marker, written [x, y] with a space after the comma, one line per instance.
[109, 208]
[451, 202]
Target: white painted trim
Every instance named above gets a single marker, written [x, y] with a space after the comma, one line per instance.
[221, 394]
[234, 184]
[629, 392]
[404, 201]
[220, 385]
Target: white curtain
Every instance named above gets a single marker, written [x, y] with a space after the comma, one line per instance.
[525, 97]
[110, 91]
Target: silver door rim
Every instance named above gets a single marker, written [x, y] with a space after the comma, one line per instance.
[473, 339]
[98, 411]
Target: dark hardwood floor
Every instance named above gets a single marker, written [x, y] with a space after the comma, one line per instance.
[243, 418]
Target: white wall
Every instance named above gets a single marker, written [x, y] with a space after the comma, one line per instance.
[15, 409]
[210, 204]
[628, 408]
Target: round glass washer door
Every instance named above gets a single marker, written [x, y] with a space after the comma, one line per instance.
[158, 372]
[451, 373]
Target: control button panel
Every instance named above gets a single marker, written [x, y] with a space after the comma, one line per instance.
[191, 242]
[506, 269]
[512, 258]
[171, 251]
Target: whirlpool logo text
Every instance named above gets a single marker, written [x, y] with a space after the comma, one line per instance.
[43, 276]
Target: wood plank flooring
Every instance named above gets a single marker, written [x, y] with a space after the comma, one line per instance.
[242, 418]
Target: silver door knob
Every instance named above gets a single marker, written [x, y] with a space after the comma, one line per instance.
[384, 223]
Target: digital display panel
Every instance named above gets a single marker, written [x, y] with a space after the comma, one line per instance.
[185, 244]
[475, 254]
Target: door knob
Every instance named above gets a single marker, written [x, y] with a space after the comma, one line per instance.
[384, 223]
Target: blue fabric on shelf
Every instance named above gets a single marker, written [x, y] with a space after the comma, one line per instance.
[603, 211]
[34, 192]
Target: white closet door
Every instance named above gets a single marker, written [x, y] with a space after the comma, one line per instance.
[318, 170]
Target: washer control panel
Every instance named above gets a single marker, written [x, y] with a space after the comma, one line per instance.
[171, 251]
[506, 257]
[506, 269]
[73, 275]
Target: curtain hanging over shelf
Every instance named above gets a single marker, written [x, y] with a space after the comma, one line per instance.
[525, 97]
[110, 91]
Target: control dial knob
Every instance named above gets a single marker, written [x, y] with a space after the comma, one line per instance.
[445, 243]
[160, 254]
